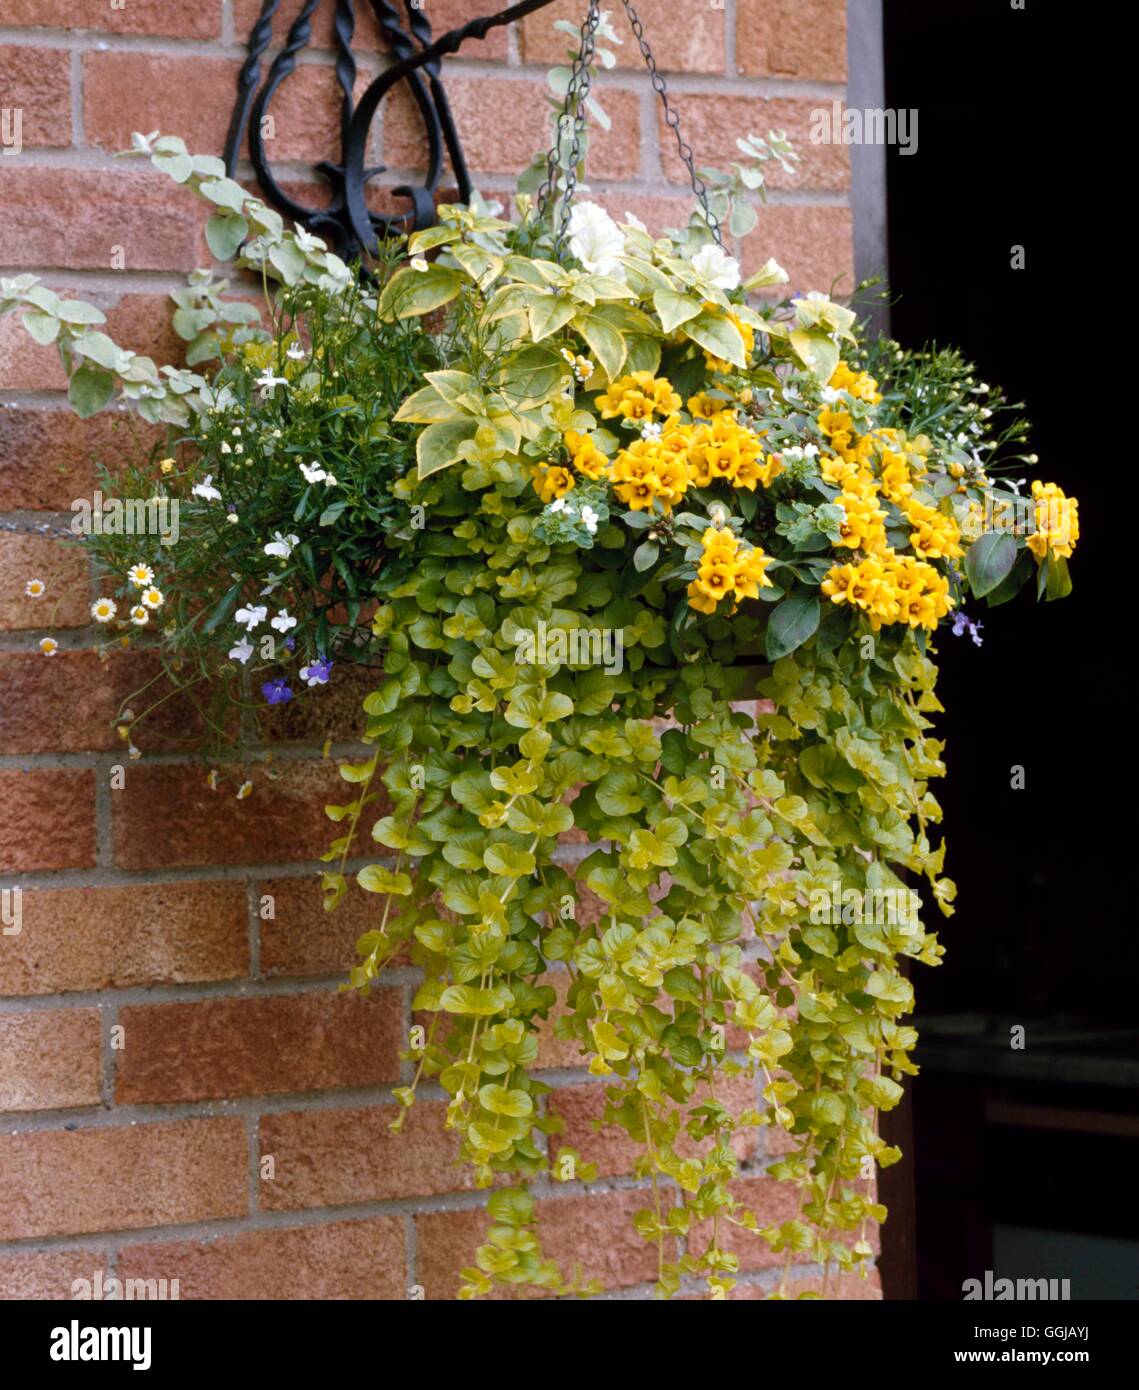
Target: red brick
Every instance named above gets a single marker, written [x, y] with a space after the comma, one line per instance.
[495, 145]
[282, 820]
[69, 1182]
[772, 1202]
[262, 1046]
[335, 710]
[195, 95]
[610, 1147]
[332, 1158]
[47, 820]
[74, 218]
[442, 15]
[594, 1232]
[201, 20]
[52, 1059]
[342, 1260]
[694, 43]
[140, 322]
[47, 1273]
[713, 123]
[62, 703]
[111, 938]
[62, 566]
[48, 458]
[792, 38]
[301, 938]
[37, 82]
[813, 245]
[846, 1287]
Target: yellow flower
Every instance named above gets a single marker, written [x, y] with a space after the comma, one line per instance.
[935, 535]
[864, 526]
[1057, 522]
[703, 406]
[638, 396]
[585, 456]
[858, 384]
[167, 465]
[552, 481]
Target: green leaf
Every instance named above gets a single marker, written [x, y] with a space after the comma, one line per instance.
[548, 313]
[508, 862]
[89, 390]
[499, 1101]
[675, 309]
[478, 1003]
[438, 446]
[44, 328]
[374, 878]
[817, 351]
[224, 234]
[988, 560]
[607, 345]
[791, 622]
[719, 335]
[410, 292]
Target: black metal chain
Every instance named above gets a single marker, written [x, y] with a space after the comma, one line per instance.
[571, 123]
[572, 118]
[699, 187]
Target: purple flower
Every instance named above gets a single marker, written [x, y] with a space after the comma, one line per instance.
[276, 692]
[290, 644]
[317, 672]
[962, 623]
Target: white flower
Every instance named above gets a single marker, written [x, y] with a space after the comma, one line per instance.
[103, 610]
[419, 263]
[244, 790]
[307, 242]
[714, 265]
[650, 430]
[558, 506]
[139, 615]
[241, 651]
[596, 240]
[152, 597]
[206, 490]
[225, 449]
[632, 220]
[281, 545]
[232, 518]
[329, 480]
[49, 646]
[272, 584]
[35, 588]
[830, 394]
[313, 472]
[140, 575]
[589, 519]
[282, 622]
[251, 617]
[296, 352]
[266, 382]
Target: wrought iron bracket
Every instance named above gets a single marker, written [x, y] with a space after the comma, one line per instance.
[347, 220]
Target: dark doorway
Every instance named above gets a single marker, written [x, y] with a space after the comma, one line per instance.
[1025, 1158]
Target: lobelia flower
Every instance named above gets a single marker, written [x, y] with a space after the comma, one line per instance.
[713, 264]
[316, 672]
[276, 692]
[296, 353]
[596, 240]
[251, 617]
[281, 545]
[241, 651]
[963, 624]
[282, 622]
[313, 473]
[267, 382]
[206, 490]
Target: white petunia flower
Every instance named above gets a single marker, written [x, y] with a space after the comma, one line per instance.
[241, 651]
[596, 240]
[281, 545]
[714, 265]
[251, 617]
[206, 490]
[282, 622]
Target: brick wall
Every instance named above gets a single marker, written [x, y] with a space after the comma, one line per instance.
[159, 1035]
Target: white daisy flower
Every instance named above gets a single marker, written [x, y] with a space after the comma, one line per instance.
[140, 575]
[281, 545]
[104, 609]
[153, 598]
[35, 588]
[251, 617]
[140, 616]
[49, 646]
